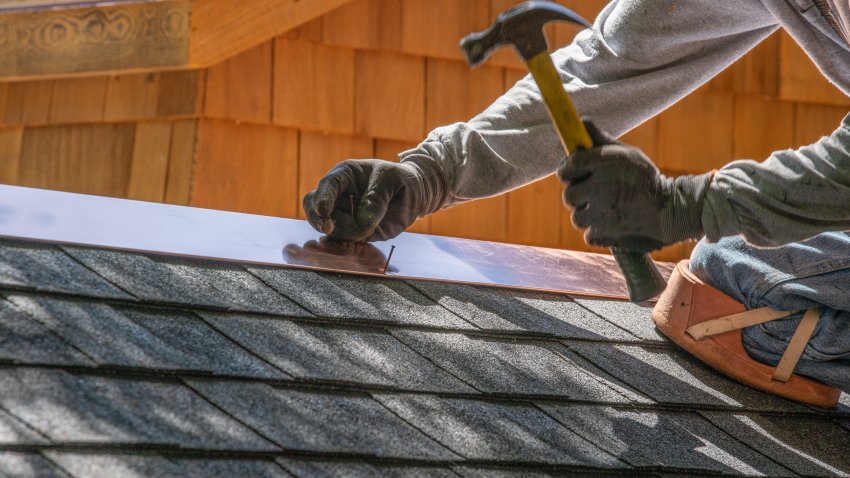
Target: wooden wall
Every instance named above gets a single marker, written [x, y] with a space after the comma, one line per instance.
[256, 132]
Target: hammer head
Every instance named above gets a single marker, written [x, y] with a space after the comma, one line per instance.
[520, 26]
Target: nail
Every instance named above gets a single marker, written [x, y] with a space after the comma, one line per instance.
[351, 203]
[390, 256]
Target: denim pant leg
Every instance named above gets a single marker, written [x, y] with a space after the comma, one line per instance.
[797, 276]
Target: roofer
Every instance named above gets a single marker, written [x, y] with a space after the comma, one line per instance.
[640, 57]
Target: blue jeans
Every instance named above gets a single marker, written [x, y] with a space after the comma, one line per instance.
[796, 276]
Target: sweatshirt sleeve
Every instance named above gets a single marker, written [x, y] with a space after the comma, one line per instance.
[640, 57]
[791, 196]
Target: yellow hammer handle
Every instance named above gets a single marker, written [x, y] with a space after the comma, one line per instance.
[642, 276]
[570, 128]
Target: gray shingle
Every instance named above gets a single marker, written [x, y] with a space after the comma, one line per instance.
[329, 353]
[663, 439]
[481, 430]
[398, 302]
[481, 472]
[323, 422]
[601, 375]
[75, 408]
[671, 376]
[91, 465]
[509, 367]
[114, 335]
[27, 465]
[316, 293]
[24, 340]
[359, 469]
[808, 446]
[14, 432]
[185, 281]
[636, 318]
[44, 267]
[359, 297]
[512, 310]
[328, 469]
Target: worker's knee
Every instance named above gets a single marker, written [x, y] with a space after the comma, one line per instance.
[796, 276]
[725, 265]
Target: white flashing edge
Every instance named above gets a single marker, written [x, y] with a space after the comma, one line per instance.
[122, 224]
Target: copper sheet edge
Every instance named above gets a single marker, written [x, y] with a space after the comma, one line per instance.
[122, 224]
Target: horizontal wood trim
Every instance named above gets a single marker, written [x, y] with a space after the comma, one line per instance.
[68, 41]
[75, 38]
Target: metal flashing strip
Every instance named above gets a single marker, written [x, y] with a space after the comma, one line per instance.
[122, 224]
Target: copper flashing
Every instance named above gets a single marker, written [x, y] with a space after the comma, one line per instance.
[122, 224]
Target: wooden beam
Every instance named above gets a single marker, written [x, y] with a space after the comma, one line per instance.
[84, 40]
[223, 28]
[56, 38]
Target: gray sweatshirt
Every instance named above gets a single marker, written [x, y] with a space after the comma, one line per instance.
[640, 57]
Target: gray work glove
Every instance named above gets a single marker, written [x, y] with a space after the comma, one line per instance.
[372, 200]
[620, 197]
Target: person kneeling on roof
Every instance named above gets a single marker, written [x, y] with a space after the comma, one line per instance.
[640, 57]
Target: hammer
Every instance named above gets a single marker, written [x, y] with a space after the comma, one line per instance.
[522, 27]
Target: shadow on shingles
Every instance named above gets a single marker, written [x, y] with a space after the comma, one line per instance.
[185, 281]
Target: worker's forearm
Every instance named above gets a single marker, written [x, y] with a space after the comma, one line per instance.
[640, 57]
[793, 195]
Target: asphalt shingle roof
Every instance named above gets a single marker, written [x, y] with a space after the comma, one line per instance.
[125, 364]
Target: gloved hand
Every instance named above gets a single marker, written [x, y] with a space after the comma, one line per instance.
[370, 199]
[620, 197]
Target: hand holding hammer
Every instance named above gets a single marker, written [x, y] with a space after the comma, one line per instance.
[522, 27]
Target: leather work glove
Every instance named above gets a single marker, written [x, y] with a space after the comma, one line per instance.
[370, 199]
[622, 200]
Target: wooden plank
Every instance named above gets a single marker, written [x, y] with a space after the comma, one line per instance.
[31, 5]
[27, 102]
[241, 87]
[131, 97]
[314, 86]
[389, 150]
[365, 24]
[457, 93]
[434, 27]
[312, 31]
[757, 72]
[181, 160]
[534, 213]
[389, 97]
[645, 137]
[762, 126]
[224, 28]
[695, 135]
[78, 100]
[246, 168]
[483, 219]
[321, 152]
[180, 94]
[10, 154]
[512, 76]
[800, 80]
[90, 159]
[62, 41]
[149, 169]
[815, 121]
